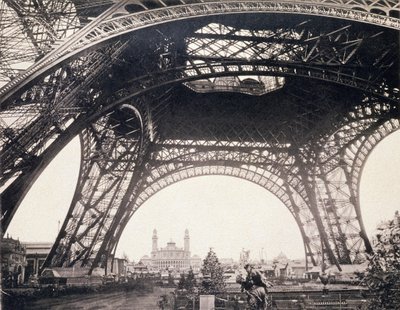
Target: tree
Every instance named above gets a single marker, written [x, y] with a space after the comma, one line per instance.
[182, 282]
[383, 273]
[190, 282]
[187, 282]
[170, 278]
[213, 275]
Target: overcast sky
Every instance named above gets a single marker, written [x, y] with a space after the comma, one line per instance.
[225, 213]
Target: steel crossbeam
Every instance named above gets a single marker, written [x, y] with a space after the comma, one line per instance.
[218, 69]
[297, 43]
[110, 27]
[42, 24]
[29, 138]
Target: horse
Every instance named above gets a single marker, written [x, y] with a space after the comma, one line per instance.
[256, 291]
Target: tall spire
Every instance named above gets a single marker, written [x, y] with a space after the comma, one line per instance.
[187, 241]
[155, 241]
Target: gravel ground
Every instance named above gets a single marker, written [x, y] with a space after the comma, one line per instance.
[116, 300]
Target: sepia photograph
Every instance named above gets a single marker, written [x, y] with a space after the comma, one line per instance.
[200, 154]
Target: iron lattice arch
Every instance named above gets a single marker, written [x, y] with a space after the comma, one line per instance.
[292, 96]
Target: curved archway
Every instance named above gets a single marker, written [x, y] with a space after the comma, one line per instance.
[265, 177]
[118, 228]
[190, 204]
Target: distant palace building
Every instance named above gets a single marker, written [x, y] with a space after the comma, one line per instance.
[171, 256]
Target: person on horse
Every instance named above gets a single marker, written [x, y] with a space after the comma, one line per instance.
[256, 287]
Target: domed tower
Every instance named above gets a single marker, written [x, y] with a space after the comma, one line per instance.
[187, 241]
[155, 241]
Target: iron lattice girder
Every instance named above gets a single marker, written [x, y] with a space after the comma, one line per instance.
[337, 196]
[181, 74]
[345, 231]
[29, 29]
[358, 121]
[301, 43]
[338, 78]
[214, 67]
[356, 154]
[181, 156]
[113, 154]
[107, 26]
[27, 138]
[175, 166]
[343, 49]
[108, 163]
[280, 120]
[143, 86]
[205, 70]
[275, 160]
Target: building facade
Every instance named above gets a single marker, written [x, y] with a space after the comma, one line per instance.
[171, 256]
[36, 253]
[13, 262]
